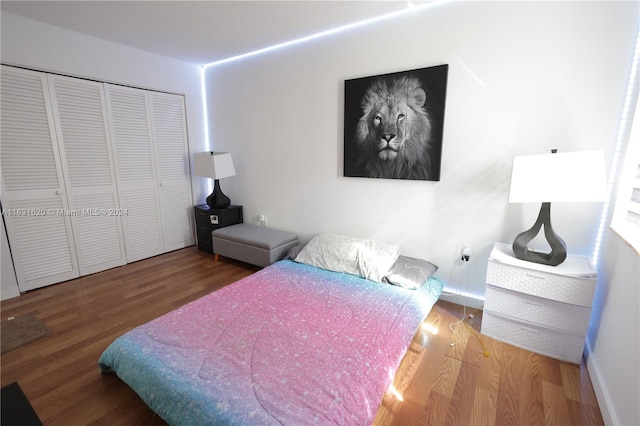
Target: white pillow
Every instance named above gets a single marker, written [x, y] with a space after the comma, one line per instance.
[370, 259]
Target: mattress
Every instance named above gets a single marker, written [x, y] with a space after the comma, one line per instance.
[290, 344]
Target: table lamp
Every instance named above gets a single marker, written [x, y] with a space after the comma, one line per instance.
[215, 165]
[555, 177]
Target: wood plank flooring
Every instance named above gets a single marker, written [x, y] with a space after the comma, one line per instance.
[441, 384]
[437, 383]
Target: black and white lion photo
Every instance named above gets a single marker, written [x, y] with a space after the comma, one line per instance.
[393, 124]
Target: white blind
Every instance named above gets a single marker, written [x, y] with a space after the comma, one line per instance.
[626, 216]
[633, 206]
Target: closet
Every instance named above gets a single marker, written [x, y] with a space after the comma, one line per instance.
[93, 175]
[149, 138]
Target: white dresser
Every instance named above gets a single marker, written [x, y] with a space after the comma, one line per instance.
[541, 308]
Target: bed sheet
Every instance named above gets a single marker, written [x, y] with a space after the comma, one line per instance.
[290, 344]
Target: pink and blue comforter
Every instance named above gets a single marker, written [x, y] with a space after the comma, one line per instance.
[291, 344]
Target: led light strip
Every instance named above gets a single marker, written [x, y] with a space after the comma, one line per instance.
[203, 81]
[463, 293]
[409, 9]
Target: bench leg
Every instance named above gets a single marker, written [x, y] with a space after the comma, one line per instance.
[216, 256]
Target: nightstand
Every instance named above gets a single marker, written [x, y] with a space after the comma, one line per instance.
[541, 308]
[208, 219]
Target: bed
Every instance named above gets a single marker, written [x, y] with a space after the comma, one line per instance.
[294, 343]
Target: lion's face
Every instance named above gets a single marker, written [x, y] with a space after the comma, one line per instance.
[394, 130]
[389, 128]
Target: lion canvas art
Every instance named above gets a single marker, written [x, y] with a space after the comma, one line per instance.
[393, 124]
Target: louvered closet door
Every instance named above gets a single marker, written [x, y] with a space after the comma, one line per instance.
[82, 130]
[138, 190]
[172, 158]
[33, 196]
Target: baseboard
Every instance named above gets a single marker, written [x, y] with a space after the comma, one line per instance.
[460, 299]
[600, 387]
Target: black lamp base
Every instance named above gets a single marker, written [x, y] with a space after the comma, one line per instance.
[558, 252]
[217, 199]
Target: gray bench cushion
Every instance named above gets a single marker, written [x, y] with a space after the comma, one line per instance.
[253, 244]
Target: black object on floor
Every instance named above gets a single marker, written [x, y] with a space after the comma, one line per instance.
[16, 409]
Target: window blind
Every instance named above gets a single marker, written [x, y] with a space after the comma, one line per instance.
[626, 215]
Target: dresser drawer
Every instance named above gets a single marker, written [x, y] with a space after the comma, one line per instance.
[217, 218]
[551, 342]
[562, 288]
[204, 233]
[548, 313]
[203, 216]
[205, 246]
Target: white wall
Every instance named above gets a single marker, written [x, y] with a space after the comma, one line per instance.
[44, 47]
[613, 340]
[524, 77]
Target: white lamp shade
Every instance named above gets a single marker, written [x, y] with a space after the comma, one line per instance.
[560, 177]
[214, 165]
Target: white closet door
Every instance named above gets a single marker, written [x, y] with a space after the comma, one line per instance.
[172, 159]
[82, 130]
[33, 198]
[136, 173]
[9, 283]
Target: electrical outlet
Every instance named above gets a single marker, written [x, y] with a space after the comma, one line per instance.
[465, 253]
[263, 220]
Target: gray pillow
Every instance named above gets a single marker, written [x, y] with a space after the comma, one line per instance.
[294, 251]
[409, 272]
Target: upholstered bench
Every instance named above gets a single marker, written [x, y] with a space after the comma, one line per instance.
[253, 244]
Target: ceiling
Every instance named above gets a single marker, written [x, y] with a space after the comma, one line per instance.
[202, 32]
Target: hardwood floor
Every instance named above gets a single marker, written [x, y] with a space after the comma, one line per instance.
[439, 384]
